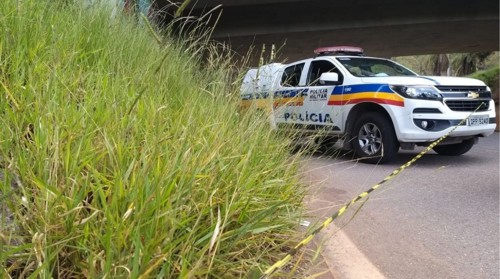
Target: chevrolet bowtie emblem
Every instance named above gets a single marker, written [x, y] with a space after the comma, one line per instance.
[473, 95]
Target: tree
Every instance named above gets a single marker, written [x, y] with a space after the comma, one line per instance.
[468, 63]
[440, 64]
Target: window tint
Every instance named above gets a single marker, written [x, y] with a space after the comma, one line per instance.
[291, 75]
[372, 67]
[319, 67]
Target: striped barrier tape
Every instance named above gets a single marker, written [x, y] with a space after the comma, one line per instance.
[279, 264]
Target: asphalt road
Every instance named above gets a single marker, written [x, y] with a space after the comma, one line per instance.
[437, 219]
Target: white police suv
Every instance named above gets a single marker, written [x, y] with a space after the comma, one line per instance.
[376, 105]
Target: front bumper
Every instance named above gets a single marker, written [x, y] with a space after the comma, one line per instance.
[408, 126]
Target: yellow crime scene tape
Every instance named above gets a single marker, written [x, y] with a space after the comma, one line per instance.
[279, 264]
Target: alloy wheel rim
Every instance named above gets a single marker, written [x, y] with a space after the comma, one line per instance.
[370, 139]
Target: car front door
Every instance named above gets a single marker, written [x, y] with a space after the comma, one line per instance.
[317, 111]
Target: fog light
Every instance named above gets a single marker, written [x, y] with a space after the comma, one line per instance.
[434, 125]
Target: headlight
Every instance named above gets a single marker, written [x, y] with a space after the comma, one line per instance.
[418, 92]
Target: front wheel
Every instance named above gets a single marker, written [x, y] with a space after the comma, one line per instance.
[454, 149]
[374, 139]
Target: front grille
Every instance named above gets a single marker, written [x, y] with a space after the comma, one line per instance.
[465, 98]
[467, 105]
[457, 88]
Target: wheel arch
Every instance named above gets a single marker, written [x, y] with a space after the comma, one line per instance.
[372, 134]
[361, 108]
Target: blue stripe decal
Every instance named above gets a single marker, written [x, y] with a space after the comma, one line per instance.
[338, 90]
[291, 93]
[361, 88]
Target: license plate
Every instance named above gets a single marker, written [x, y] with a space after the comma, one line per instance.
[477, 120]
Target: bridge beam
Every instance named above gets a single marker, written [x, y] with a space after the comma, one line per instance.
[383, 28]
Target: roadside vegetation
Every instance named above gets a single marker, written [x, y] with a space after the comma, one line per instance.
[451, 64]
[130, 154]
[490, 77]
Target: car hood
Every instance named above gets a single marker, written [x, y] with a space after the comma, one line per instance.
[424, 80]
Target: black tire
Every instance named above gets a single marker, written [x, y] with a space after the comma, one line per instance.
[374, 139]
[454, 149]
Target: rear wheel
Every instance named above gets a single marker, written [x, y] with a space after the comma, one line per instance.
[374, 139]
[454, 149]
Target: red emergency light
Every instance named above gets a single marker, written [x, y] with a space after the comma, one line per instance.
[339, 50]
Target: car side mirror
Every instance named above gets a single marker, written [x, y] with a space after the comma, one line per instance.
[329, 79]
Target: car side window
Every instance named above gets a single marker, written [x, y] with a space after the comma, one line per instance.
[317, 68]
[291, 75]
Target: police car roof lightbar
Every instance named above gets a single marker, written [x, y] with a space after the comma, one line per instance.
[339, 50]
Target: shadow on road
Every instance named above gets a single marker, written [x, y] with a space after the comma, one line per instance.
[430, 159]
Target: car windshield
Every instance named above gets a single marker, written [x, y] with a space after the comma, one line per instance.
[373, 67]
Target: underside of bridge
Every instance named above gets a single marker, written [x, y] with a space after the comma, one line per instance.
[384, 28]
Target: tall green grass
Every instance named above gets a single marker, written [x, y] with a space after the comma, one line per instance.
[133, 157]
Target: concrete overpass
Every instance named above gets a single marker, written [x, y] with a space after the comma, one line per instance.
[383, 27]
